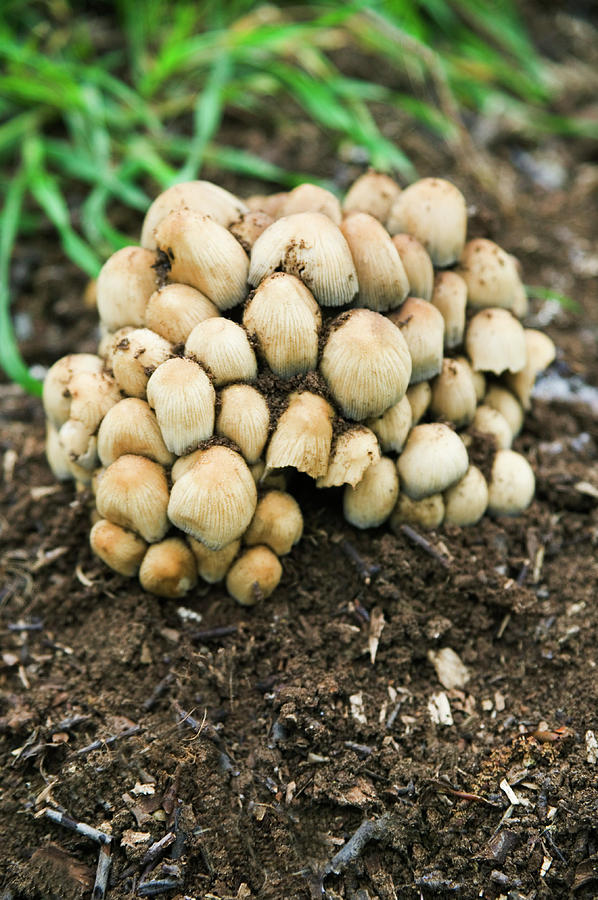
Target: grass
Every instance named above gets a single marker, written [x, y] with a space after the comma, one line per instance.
[129, 111]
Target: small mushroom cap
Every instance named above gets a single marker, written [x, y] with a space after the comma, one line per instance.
[310, 246]
[427, 513]
[284, 317]
[422, 326]
[495, 342]
[136, 357]
[303, 436]
[168, 569]
[120, 549]
[244, 418]
[393, 426]
[541, 353]
[110, 341]
[370, 503]
[277, 522]
[372, 193]
[131, 427]
[56, 455]
[489, 421]
[201, 197]
[79, 445]
[254, 576]
[175, 310]
[184, 400]
[276, 480]
[491, 275]
[383, 283]
[212, 565]
[501, 399]
[205, 255]
[214, 501]
[419, 397]
[433, 211]
[133, 493]
[466, 502]
[222, 347]
[366, 364]
[453, 394]
[450, 299]
[271, 204]
[56, 396]
[417, 264]
[312, 198]
[433, 460]
[479, 379]
[248, 228]
[512, 484]
[354, 451]
[92, 395]
[125, 283]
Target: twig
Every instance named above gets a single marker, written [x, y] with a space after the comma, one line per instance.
[158, 691]
[370, 830]
[361, 749]
[159, 886]
[102, 873]
[96, 745]
[366, 571]
[211, 634]
[206, 730]
[156, 850]
[88, 831]
[34, 625]
[425, 545]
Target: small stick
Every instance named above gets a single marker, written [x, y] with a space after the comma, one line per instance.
[425, 545]
[158, 691]
[363, 568]
[391, 719]
[369, 830]
[208, 731]
[159, 886]
[88, 831]
[102, 873]
[135, 729]
[34, 625]
[211, 634]
[157, 849]
[360, 749]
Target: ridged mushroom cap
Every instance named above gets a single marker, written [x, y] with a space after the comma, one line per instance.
[168, 569]
[491, 276]
[244, 418]
[372, 193]
[254, 576]
[277, 523]
[453, 394]
[383, 283]
[184, 400]
[205, 255]
[175, 310]
[214, 501]
[285, 319]
[354, 451]
[433, 460]
[312, 198]
[222, 347]
[136, 357]
[212, 565]
[366, 364]
[247, 229]
[422, 327]
[133, 493]
[419, 397]
[393, 426]
[489, 421]
[56, 396]
[512, 484]
[202, 197]
[125, 283]
[310, 246]
[495, 342]
[131, 427]
[433, 211]
[417, 264]
[370, 502]
[466, 502]
[303, 436]
[120, 549]
[449, 296]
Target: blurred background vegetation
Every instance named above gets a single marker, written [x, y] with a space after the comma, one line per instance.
[102, 110]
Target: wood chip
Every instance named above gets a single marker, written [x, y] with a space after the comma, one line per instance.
[377, 623]
[440, 709]
[357, 711]
[451, 671]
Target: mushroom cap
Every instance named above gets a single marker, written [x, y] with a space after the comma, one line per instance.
[466, 502]
[393, 426]
[311, 198]
[244, 417]
[201, 197]
[490, 421]
[125, 283]
[56, 395]
[366, 364]
[310, 246]
[419, 396]
[214, 501]
[491, 275]
[136, 357]
[453, 394]
[354, 451]
[254, 576]
[370, 502]
[285, 318]
[212, 565]
[422, 326]
[184, 400]
[131, 427]
[303, 436]
[383, 283]
[372, 193]
[248, 227]
[277, 523]
[56, 455]
[433, 211]
[174, 310]
[133, 493]
[450, 299]
[495, 342]
[168, 569]
[222, 347]
[417, 264]
[541, 353]
[433, 460]
[205, 255]
[427, 513]
[120, 549]
[507, 404]
[512, 484]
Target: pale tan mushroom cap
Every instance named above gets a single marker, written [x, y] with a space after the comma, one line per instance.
[366, 364]
[373, 193]
[512, 484]
[433, 211]
[254, 576]
[541, 352]
[427, 513]
[120, 549]
[453, 394]
[417, 264]
[244, 418]
[312, 198]
[303, 436]
[434, 459]
[184, 400]
[212, 565]
[491, 275]
[393, 426]
[466, 502]
[125, 283]
[56, 396]
[383, 282]
[131, 427]
[495, 342]
[422, 326]
[354, 451]
[168, 569]
[370, 502]
[175, 310]
[277, 523]
[223, 348]
[202, 197]
[133, 493]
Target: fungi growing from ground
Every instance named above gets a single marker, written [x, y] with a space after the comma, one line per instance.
[192, 422]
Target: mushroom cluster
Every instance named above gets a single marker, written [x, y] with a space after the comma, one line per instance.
[366, 345]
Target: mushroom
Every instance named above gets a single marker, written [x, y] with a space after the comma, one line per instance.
[512, 484]
[417, 264]
[131, 427]
[222, 347]
[383, 283]
[311, 198]
[422, 326]
[201, 197]
[184, 400]
[120, 549]
[56, 395]
[303, 436]
[466, 502]
[354, 451]
[501, 399]
[244, 418]
[372, 193]
[419, 397]
[433, 460]
[135, 357]
[175, 310]
[168, 569]
[125, 283]
[366, 364]
[254, 576]
[433, 211]
[489, 421]
[133, 493]
[277, 523]
[427, 513]
[393, 426]
[541, 353]
[495, 342]
[453, 394]
[492, 277]
[370, 502]
[212, 565]
[248, 228]
[450, 299]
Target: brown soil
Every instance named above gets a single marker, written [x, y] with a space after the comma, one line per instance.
[264, 738]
